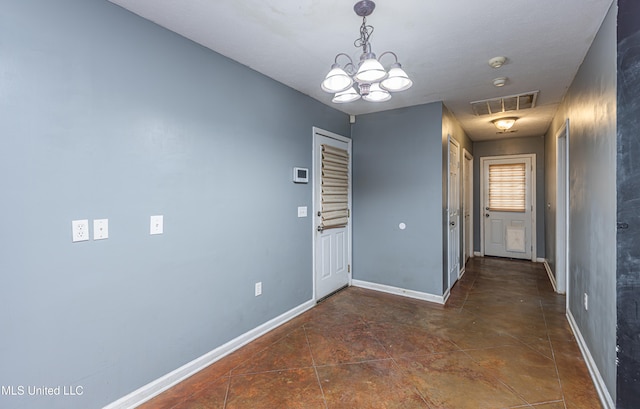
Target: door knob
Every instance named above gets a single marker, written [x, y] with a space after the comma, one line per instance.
[486, 215]
[453, 223]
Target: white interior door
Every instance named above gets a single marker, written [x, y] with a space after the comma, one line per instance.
[562, 209]
[467, 206]
[508, 206]
[454, 211]
[332, 245]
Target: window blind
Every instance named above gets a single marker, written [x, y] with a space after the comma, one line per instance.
[335, 187]
[507, 187]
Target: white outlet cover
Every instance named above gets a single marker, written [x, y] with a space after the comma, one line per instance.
[79, 230]
[100, 229]
[156, 224]
[258, 288]
[302, 211]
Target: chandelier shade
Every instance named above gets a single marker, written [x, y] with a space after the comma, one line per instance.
[368, 79]
[370, 70]
[349, 95]
[337, 80]
[397, 80]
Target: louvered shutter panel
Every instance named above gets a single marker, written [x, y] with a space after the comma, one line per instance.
[335, 187]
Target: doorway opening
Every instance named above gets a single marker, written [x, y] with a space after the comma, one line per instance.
[562, 209]
[331, 212]
[508, 206]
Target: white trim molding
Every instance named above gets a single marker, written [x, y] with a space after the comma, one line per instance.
[601, 388]
[418, 295]
[552, 278]
[165, 382]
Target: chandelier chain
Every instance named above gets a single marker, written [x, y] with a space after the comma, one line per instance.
[365, 33]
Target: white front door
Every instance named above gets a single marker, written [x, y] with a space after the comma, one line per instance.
[508, 206]
[454, 211]
[332, 245]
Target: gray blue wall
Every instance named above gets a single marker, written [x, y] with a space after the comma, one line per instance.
[106, 115]
[397, 178]
[511, 146]
[590, 106]
[628, 188]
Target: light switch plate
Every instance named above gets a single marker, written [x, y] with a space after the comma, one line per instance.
[156, 224]
[79, 230]
[100, 229]
[302, 211]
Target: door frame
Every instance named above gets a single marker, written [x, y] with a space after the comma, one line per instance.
[451, 140]
[314, 157]
[562, 210]
[532, 192]
[467, 192]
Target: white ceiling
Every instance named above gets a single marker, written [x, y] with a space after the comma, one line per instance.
[443, 45]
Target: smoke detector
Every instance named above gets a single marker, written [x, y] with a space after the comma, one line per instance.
[497, 62]
[500, 81]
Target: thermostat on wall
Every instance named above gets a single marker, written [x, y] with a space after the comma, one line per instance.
[300, 175]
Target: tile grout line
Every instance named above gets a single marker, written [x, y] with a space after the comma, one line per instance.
[553, 355]
[315, 368]
[226, 394]
[509, 388]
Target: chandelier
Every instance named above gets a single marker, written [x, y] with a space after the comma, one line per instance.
[368, 79]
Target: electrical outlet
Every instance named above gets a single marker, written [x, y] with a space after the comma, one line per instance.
[302, 211]
[100, 229]
[79, 230]
[156, 224]
[586, 302]
[258, 288]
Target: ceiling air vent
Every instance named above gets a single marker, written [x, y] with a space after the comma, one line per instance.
[505, 104]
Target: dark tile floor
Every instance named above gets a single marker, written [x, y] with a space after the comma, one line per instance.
[502, 341]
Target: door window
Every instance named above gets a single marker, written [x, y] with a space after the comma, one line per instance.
[507, 187]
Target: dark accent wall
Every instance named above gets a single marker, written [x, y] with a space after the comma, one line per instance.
[106, 115]
[628, 217]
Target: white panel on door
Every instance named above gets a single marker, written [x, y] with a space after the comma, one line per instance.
[326, 269]
[497, 229]
[341, 259]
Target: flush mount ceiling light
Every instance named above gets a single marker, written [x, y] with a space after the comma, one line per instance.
[504, 124]
[368, 80]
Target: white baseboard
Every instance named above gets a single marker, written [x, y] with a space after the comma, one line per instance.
[552, 277]
[439, 299]
[477, 254]
[601, 388]
[446, 295]
[540, 260]
[464, 269]
[163, 383]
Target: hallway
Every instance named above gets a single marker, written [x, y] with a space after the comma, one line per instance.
[502, 341]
